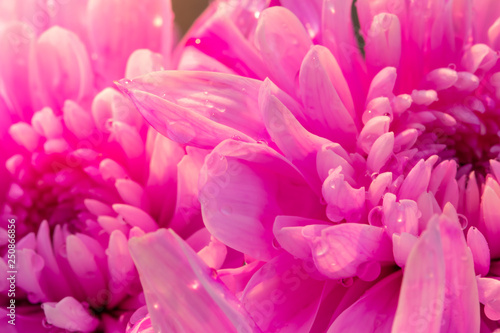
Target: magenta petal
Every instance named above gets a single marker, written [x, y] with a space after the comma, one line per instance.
[339, 250]
[421, 300]
[194, 300]
[376, 307]
[270, 296]
[71, 315]
[251, 184]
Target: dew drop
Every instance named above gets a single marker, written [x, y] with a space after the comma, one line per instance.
[452, 66]
[376, 217]
[321, 247]
[463, 221]
[205, 93]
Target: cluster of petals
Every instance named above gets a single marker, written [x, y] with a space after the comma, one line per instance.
[346, 187]
[81, 172]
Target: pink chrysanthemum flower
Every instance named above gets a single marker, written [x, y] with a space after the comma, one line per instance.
[361, 182]
[81, 171]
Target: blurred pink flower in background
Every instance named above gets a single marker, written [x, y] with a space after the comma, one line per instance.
[360, 182]
[81, 171]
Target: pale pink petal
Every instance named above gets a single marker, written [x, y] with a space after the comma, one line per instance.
[143, 61]
[195, 299]
[375, 310]
[372, 130]
[77, 120]
[382, 84]
[380, 152]
[251, 184]
[24, 135]
[327, 113]
[283, 43]
[291, 232]
[135, 25]
[340, 250]
[135, 217]
[480, 251]
[383, 42]
[296, 143]
[489, 291]
[331, 156]
[344, 201]
[421, 300]
[71, 315]
[417, 180]
[400, 216]
[490, 215]
[378, 187]
[270, 295]
[401, 246]
[461, 303]
[61, 69]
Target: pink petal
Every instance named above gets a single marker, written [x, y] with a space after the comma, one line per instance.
[268, 296]
[128, 138]
[143, 61]
[372, 130]
[330, 115]
[187, 215]
[402, 245]
[461, 308]
[291, 231]
[132, 193]
[490, 201]
[70, 314]
[85, 265]
[380, 152]
[296, 143]
[417, 180]
[344, 201]
[480, 251]
[283, 43]
[162, 178]
[135, 217]
[378, 187]
[195, 300]
[421, 300]
[29, 267]
[489, 291]
[400, 216]
[77, 120]
[383, 42]
[338, 251]
[382, 84]
[24, 135]
[479, 56]
[62, 69]
[253, 184]
[136, 25]
[16, 40]
[377, 307]
[331, 156]
[46, 124]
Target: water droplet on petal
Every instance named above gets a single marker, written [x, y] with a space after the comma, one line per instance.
[321, 247]
[376, 217]
[276, 244]
[463, 221]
